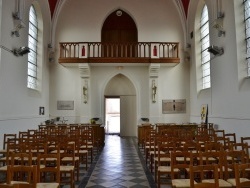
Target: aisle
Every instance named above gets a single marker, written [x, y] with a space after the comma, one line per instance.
[119, 165]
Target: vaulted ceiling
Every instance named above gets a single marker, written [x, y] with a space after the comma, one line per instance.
[53, 3]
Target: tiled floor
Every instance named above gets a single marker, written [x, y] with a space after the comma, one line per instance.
[120, 164]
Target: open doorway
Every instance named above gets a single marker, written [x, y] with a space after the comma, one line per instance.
[112, 115]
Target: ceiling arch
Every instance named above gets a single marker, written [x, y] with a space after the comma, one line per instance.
[181, 5]
[53, 3]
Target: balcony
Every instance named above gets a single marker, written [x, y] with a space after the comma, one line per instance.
[166, 53]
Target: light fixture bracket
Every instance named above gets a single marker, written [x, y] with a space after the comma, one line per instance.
[215, 50]
[21, 51]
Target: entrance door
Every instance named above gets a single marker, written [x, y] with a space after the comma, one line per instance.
[112, 115]
[128, 116]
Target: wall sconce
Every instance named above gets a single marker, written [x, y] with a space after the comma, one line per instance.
[154, 88]
[17, 16]
[85, 92]
[218, 22]
[219, 27]
[51, 53]
[18, 26]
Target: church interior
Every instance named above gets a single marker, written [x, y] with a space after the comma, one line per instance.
[125, 83]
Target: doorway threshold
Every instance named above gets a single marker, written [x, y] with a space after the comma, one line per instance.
[118, 134]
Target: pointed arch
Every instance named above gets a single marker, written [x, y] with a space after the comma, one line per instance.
[32, 43]
[35, 43]
[205, 43]
[119, 27]
[121, 86]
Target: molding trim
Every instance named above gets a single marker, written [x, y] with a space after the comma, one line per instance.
[84, 70]
[154, 70]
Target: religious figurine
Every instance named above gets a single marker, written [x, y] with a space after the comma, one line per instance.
[154, 88]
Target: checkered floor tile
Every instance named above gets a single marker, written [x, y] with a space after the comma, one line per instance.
[119, 165]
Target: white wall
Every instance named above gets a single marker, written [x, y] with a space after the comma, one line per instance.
[228, 98]
[19, 106]
[81, 21]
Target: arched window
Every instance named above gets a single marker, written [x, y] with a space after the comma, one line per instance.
[247, 23]
[205, 43]
[32, 43]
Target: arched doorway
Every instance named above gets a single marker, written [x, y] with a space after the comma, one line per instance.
[119, 28]
[121, 87]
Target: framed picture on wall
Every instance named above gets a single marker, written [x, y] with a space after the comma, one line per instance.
[204, 113]
[65, 105]
[41, 110]
[174, 106]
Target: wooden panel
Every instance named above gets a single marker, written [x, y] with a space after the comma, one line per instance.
[69, 61]
[99, 134]
[123, 52]
[141, 133]
[119, 29]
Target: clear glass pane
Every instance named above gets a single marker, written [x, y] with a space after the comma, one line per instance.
[31, 83]
[205, 57]
[206, 72]
[206, 82]
[204, 15]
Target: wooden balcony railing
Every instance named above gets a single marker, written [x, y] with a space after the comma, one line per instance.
[97, 52]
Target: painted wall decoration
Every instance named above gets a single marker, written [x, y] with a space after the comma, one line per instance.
[154, 50]
[83, 50]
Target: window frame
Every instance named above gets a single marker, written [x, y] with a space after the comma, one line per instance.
[247, 33]
[32, 73]
[204, 44]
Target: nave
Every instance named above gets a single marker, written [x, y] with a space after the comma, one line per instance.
[120, 164]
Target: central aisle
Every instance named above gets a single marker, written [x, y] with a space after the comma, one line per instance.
[119, 165]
